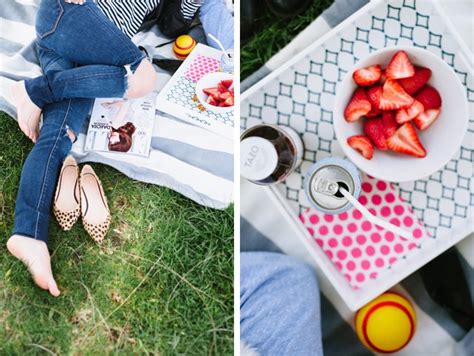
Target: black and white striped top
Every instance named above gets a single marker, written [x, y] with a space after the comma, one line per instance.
[128, 15]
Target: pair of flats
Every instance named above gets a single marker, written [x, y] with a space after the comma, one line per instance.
[80, 194]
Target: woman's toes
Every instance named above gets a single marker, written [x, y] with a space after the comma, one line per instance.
[53, 288]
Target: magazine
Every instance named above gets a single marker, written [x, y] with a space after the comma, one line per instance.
[121, 125]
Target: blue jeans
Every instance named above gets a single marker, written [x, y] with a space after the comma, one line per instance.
[79, 43]
[85, 36]
[279, 305]
[217, 20]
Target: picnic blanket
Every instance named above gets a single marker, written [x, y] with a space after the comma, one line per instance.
[188, 159]
[264, 228]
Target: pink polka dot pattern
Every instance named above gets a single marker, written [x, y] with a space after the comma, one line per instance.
[360, 250]
[201, 66]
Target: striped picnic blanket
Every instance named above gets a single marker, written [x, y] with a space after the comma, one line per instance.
[188, 159]
[440, 331]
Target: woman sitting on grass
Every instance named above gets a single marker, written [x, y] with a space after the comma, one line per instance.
[85, 52]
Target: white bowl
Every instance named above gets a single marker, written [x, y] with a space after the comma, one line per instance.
[441, 140]
[210, 81]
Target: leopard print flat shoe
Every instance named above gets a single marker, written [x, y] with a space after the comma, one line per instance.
[67, 205]
[94, 207]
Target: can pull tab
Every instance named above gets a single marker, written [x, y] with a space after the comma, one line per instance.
[326, 186]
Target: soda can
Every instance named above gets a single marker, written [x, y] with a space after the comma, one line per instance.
[322, 182]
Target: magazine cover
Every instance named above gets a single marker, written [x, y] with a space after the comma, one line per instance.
[121, 125]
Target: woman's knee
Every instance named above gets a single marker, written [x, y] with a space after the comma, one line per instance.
[142, 82]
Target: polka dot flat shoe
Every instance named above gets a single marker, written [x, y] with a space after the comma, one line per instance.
[94, 207]
[67, 205]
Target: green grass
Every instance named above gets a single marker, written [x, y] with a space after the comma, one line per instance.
[273, 34]
[162, 283]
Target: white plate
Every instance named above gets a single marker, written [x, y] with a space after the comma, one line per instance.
[441, 140]
[211, 80]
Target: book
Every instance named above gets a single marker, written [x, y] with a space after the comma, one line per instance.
[122, 126]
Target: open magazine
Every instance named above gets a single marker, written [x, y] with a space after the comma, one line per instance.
[121, 125]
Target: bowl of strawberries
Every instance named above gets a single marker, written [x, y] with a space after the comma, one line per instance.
[400, 114]
[215, 91]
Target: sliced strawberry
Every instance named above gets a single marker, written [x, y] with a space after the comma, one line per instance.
[394, 97]
[405, 115]
[361, 144]
[383, 78]
[227, 83]
[400, 66]
[229, 101]
[373, 128]
[211, 92]
[429, 97]
[358, 106]
[426, 119]
[225, 95]
[210, 100]
[222, 104]
[374, 94]
[415, 83]
[367, 76]
[221, 88]
[390, 125]
[406, 141]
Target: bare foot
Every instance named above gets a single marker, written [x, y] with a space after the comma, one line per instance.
[28, 113]
[35, 255]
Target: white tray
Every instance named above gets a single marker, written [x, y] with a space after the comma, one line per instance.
[301, 94]
[176, 98]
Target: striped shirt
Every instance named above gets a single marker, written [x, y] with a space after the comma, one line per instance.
[128, 15]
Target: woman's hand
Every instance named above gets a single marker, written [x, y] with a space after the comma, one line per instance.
[77, 2]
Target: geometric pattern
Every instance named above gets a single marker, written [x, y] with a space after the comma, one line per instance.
[302, 97]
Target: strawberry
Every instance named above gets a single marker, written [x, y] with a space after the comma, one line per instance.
[358, 106]
[211, 92]
[361, 144]
[383, 78]
[211, 100]
[429, 97]
[415, 83]
[394, 97]
[373, 128]
[390, 125]
[224, 96]
[373, 94]
[426, 119]
[367, 76]
[227, 83]
[229, 101]
[400, 66]
[405, 115]
[405, 140]
[221, 87]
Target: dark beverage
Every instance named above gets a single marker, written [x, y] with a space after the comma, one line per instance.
[269, 153]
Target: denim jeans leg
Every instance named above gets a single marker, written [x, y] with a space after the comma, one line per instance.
[279, 305]
[41, 168]
[84, 35]
[92, 81]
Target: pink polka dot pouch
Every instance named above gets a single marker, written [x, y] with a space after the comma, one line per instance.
[360, 250]
[201, 66]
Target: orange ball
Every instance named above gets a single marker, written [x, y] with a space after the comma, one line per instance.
[183, 46]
